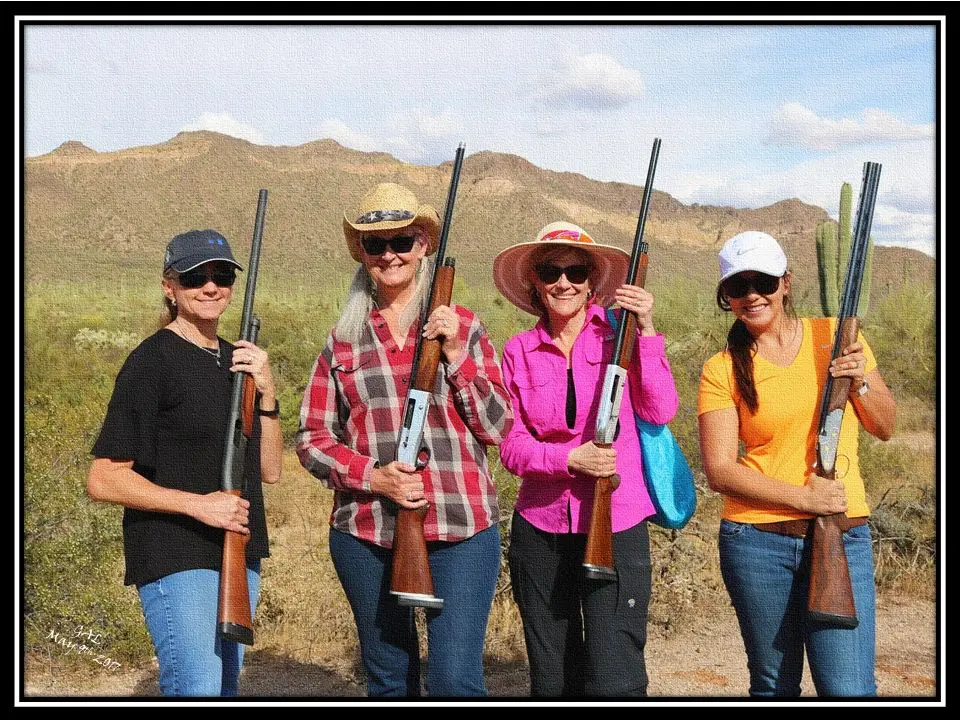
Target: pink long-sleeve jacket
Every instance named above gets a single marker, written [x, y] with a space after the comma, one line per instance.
[551, 497]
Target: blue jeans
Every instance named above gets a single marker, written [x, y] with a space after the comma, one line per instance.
[767, 576]
[464, 575]
[181, 614]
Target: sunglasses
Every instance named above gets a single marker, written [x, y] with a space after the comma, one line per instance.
[740, 286]
[198, 277]
[373, 245]
[549, 274]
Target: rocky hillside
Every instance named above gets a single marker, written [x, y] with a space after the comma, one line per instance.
[121, 207]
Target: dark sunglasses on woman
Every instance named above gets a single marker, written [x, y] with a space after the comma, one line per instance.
[198, 277]
[549, 274]
[373, 245]
[740, 285]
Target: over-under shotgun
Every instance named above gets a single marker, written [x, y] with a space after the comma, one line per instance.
[830, 601]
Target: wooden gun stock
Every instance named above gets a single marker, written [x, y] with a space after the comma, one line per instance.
[830, 600]
[410, 577]
[233, 614]
[831, 592]
[598, 555]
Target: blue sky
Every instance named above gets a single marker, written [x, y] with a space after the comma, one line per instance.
[748, 114]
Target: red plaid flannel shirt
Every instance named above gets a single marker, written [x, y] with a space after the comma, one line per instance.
[351, 416]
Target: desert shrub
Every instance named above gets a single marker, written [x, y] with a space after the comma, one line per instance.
[902, 332]
[78, 335]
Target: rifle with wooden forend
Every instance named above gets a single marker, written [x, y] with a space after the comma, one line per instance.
[598, 561]
[410, 580]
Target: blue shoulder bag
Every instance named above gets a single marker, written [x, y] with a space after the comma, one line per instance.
[665, 470]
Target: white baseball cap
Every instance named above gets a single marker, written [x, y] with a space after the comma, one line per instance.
[752, 250]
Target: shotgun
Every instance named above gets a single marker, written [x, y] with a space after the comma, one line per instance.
[233, 614]
[830, 601]
[410, 578]
[598, 555]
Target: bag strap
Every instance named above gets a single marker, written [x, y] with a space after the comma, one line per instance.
[612, 319]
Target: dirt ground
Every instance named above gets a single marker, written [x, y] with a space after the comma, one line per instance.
[703, 660]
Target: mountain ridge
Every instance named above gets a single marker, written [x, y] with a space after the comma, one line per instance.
[78, 200]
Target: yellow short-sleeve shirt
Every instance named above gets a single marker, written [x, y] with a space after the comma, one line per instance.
[780, 439]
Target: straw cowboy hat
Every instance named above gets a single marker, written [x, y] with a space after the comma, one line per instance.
[512, 268]
[390, 207]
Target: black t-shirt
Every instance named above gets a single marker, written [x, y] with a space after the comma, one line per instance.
[169, 414]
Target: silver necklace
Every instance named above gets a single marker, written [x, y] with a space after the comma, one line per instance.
[215, 353]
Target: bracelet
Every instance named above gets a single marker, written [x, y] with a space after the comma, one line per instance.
[365, 483]
[269, 413]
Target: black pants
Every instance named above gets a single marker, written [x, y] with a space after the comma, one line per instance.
[584, 637]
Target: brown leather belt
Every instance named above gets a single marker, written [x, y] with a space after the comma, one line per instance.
[800, 528]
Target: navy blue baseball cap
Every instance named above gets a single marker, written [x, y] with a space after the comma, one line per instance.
[196, 247]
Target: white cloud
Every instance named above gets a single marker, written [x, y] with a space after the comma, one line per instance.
[906, 207]
[338, 130]
[795, 125]
[394, 143]
[916, 230]
[415, 136]
[226, 124]
[444, 125]
[596, 81]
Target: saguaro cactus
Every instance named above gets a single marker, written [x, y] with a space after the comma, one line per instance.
[833, 256]
[826, 263]
[845, 237]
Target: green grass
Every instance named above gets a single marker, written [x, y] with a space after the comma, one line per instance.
[78, 334]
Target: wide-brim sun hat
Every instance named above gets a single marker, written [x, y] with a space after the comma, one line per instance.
[512, 267]
[752, 250]
[389, 207]
[196, 247]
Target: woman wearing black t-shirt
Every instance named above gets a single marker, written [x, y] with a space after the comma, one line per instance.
[159, 455]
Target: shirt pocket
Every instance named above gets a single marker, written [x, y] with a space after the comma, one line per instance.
[595, 352]
[364, 384]
[539, 397]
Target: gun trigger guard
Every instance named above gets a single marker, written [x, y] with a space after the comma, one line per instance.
[423, 457]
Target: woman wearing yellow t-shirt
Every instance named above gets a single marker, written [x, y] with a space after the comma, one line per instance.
[764, 390]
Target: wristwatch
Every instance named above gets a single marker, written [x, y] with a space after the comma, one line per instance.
[269, 413]
[863, 389]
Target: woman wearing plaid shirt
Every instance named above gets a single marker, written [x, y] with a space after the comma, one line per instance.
[349, 423]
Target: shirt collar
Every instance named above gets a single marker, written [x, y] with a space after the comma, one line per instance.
[596, 316]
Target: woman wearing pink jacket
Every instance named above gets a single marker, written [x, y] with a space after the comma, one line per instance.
[584, 637]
